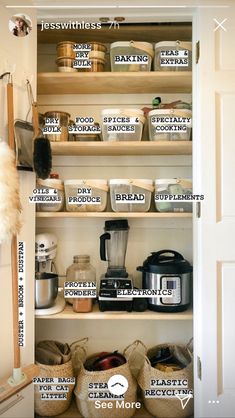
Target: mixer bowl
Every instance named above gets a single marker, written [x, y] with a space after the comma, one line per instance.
[46, 290]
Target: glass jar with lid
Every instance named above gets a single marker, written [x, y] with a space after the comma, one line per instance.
[83, 272]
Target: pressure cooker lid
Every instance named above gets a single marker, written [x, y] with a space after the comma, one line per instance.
[166, 262]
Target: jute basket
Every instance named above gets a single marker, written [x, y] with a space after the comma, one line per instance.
[87, 407]
[165, 407]
[49, 408]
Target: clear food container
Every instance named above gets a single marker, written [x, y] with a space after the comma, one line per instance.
[130, 195]
[167, 189]
[122, 124]
[173, 56]
[55, 196]
[86, 195]
[170, 124]
[56, 125]
[131, 56]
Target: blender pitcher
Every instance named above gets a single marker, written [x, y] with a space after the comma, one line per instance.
[113, 245]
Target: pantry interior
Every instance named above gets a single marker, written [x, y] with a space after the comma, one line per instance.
[78, 232]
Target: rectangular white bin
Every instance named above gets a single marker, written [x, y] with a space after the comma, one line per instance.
[173, 56]
[122, 124]
[170, 124]
[166, 190]
[130, 195]
[131, 56]
[86, 195]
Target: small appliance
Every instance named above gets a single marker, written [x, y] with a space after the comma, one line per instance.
[46, 279]
[113, 245]
[167, 269]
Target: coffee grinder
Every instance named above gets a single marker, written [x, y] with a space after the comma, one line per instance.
[113, 245]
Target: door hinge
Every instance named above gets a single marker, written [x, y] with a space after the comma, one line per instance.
[199, 368]
[198, 209]
[197, 51]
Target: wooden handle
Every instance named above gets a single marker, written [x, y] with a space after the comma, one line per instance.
[10, 115]
[35, 119]
[14, 258]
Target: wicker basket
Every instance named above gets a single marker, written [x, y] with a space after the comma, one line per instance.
[166, 407]
[87, 407]
[49, 408]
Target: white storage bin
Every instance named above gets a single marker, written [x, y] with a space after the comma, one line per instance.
[86, 195]
[166, 187]
[173, 56]
[56, 194]
[130, 195]
[122, 124]
[170, 124]
[131, 56]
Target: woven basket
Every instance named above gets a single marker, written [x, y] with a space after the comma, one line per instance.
[49, 408]
[87, 407]
[165, 407]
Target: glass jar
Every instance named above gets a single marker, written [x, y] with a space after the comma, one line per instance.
[81, 271]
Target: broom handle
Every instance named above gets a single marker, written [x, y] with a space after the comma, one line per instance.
[35, 119]
[14, 259]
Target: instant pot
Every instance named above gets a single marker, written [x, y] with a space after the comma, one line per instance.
[167, 269]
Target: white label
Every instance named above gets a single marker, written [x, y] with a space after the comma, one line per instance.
[178, 197]
[170, 120]
[82, 64]
[167, 393]
[174, 53]
[84, 129]
[79, 120]
[45, 191]
[44, 199]
[82, 55]
[170, 128]
[84, 200]
[121, 120]
[21, 293]
[82, 47]
[52, 121]
[53, 396]
[145, 293]
[80, 285]
[53, 380]
[174, 62]
[131, 59]
[130, 197]
[53, 388]
[121, 128]
[84, 191]
[166, 383]
[49, 130]
[80, 293]
[94, 396]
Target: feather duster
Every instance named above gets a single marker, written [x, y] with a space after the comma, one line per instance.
[10, 206]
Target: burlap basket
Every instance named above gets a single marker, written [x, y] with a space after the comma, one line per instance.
[165, 407]
[49, 408]
[87, 407]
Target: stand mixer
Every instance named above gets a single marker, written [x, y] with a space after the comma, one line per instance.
[113, 245]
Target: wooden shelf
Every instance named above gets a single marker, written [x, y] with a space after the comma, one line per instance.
[73, 412]
[68, 313]
[99, 148]
[115, 82]
[147, 215]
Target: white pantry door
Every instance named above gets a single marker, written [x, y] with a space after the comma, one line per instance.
[214, 245]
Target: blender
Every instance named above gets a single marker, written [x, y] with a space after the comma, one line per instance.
[113, 245]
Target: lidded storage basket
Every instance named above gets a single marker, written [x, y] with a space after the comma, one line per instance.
[173, 56]
[86, 195]
[131, 56]
[164, 188]
[57, 198]
[170, 124]
[130, 195]
[122, 124]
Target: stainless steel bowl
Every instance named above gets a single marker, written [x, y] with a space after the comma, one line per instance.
[46, 290]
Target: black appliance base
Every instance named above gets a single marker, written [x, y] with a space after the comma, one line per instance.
[179, 308]
[115, 306]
